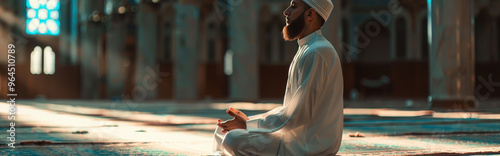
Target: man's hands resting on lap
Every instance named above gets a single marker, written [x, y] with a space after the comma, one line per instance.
[238, 122]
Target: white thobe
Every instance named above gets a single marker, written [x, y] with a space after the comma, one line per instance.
[310, 122]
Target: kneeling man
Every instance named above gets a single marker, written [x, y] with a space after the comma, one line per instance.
[311, 119]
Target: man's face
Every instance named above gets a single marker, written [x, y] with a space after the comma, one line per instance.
[295, 20]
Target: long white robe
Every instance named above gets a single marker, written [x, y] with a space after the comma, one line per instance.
[310, 122]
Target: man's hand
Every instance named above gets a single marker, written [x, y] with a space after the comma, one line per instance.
[238, 112]
[238, 122]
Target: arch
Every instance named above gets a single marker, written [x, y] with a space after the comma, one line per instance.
[223, 38]
[483, 39]
[274, 45]
[344, 29]
[167, 42]
[264, 29]
[211, 49]
[498, 38]
[36, 61]
[49, 61]
[422, 35]
[401, 36]
[167, 48]
[374, 42]
[281, 42]
[374, 59]
[272, 48]
[211, 38]
[401, 42]
[344, 51]
[213, 81]
[268, 42]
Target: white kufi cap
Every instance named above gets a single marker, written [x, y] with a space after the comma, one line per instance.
[322, 7]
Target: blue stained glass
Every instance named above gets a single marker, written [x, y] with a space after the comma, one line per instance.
[49, 23]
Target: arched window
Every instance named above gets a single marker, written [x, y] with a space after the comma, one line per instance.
[282, 42]
[498, 38]
[400, 38]
[274, 45]
[483, 37]
[345, 31]
[167, 34]
[344, 50]
[265, 40]
[49, 61]
[211, 43]
[374, 42]
[268, 53]
[223, 36]
[424, 39]
[36, 61]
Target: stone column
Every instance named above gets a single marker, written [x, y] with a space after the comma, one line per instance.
[91, 29]
[115, 53]
[244, 81]
[73, 48]
[331, 28]
[186, 50]
[65, 32]
[68, 37]
[146, 73]
[451, 55]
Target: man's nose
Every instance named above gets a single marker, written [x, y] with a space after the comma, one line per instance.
[286, 12]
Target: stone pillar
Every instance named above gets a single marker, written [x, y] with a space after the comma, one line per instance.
[65, 32]
[68, 15]
[331, 28]
[244, 81]
[73, 48]
[146, 73]
[451, 55]
[91, 29]
[115, 53]
[186, 51]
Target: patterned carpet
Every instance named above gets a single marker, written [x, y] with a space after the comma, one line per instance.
[169, 128]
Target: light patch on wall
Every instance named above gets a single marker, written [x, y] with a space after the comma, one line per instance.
[228, 63]
[429, 21]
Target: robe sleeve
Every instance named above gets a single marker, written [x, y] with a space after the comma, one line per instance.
[297, 110]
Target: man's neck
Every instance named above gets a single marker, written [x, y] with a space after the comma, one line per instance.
[307, 31]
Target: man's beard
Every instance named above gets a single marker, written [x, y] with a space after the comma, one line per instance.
[292, 30]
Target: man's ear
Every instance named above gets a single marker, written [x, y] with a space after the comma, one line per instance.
[310, 13]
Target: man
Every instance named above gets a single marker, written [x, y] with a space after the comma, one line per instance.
[311, 119]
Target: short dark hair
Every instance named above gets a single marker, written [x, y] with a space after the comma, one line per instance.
[321, 20]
